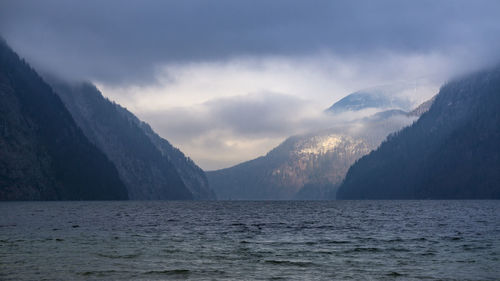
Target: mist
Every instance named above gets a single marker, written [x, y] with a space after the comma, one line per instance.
[226, 81]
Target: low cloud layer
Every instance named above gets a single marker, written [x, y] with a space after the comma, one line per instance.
[120, 41]
[228, 80]
[225, 131]
[224, 113]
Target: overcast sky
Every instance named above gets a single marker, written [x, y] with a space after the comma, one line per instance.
[225, 81]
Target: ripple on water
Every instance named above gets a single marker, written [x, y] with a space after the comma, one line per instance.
[250, 240]
[363, 250]
[119, 256]
[291, 263]
[182, 272]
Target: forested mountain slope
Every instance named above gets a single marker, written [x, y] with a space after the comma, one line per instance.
[451, 152]
[43, 154]
[150, 166]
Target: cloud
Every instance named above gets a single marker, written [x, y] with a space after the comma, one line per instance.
[124, 42]
[225, 131]
[228, 80]
[322, 79]
[223, 113]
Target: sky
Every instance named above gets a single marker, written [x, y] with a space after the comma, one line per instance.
[226, 81]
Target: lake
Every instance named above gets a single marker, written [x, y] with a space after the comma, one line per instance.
[241, 240]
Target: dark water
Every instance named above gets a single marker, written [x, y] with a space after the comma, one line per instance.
[359, 240]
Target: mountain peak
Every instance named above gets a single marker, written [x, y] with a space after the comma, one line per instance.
[451, 152]
[382, 98]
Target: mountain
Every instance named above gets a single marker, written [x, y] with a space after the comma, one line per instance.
[43, 154]
[423, 108]
[150, 166]
[381, 98]
[194, 177]
[451, 152]
[309, 166]
[315, 161]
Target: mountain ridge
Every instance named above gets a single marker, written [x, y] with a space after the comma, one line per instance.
[386, 97]
[308, 166]
[149, 165]
[44, 155]
[451, 152]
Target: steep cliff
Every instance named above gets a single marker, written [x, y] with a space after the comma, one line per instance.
[451, 152]
[309, 166]
[43, 153]
[150, 166]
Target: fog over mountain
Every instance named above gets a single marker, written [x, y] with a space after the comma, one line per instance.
[196, 59]
[249, 140]
[126, 40]
[150, 167]
[313, 165]
[44, 155]
[394, 96]
[451, 152]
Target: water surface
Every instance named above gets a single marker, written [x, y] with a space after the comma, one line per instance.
[234, 240]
